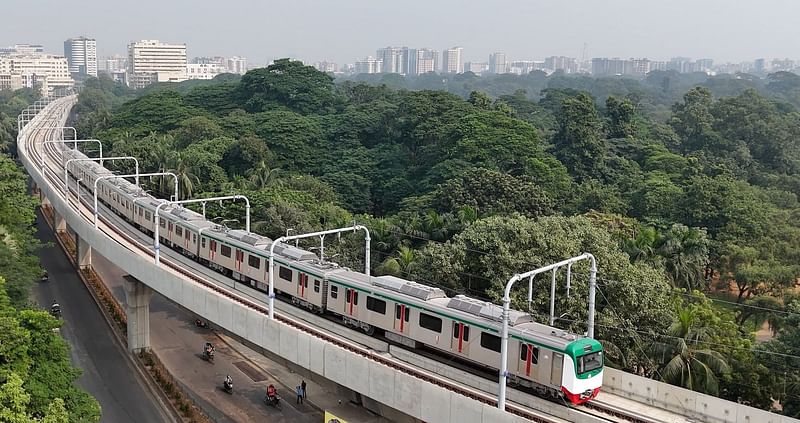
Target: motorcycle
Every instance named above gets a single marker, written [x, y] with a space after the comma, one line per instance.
[273, 401]
[55, 312]
[45, 276]
[208, 355]
[227, 387]
[201, 324]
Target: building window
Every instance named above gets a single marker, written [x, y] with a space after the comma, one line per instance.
[317, 285]
[285, 273]
[254, 261]
[334, 291]
[225, 250]
[431, 323]
[490, 342]
[376, 305]
[455, 331]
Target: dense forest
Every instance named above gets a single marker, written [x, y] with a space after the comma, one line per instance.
[37, 380]
[684, 187]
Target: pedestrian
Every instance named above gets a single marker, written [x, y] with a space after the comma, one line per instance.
[299, 394]
[303, 386]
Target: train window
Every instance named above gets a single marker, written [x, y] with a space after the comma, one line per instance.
[490, 342]
[141, 212]
[398, 310]
[523, 353]
[317, 285]
[334, 291]
[162, 223]
[147, 215]
[431, 323]
[376, 305]
[187, 234]
[178, 231]
[455, 331]
[225, 250]
[194, 238]
[590, 362]
[285, 273]
[203, 242]
[254, 261]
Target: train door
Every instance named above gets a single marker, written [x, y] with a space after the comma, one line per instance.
[557, 369]
[351, 302]
[302, 285]
[186, 238]
[528, 360]
[460, 341]
[212, 249]
[239, 259]
[402, 314]
[169, 231]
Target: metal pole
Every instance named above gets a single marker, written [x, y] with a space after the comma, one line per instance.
[247, 213]
[204, 209]
[321, 248]
[592, 289]
[272, 277]
[501, 397]
[367, 252]
[569, 277]
[553, 298]
[157, 222]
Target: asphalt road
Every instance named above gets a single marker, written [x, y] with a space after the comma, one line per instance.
[107, 373]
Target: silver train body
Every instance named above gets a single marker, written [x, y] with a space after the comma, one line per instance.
[541, 357]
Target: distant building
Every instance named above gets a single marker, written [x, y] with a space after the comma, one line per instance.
[21, 49]
[151, 61]
[237, 65]
[782, 65]
[453, 60]
[562, 63]
[34, 70]
[205, 70]
[422, 61]
[524, 67]
[81, 54]
[478, 68]
[658, 66]
[704, 65]
[116, 63]
[393, 59]
[760, 65]
[368, 65]
[497, 63]
[327, 67]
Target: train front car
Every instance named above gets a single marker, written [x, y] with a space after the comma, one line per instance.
[583, 370]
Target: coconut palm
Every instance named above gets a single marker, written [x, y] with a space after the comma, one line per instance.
[186, 179]
[684, 362]
[263, 176]
[685, 253]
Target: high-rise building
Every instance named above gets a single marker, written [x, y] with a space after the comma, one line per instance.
[782, 65]
[562, 63]
[453, 60]
[81, 53]
[205, 70]
[152, 61]
[116, 63]
[704, 65]
[760, 65]
[327, 67]
[422, 61]
[497, 63]
[394, 59]
[478, 68]
[237, 65]
[524, 67]
[368, 65]
[21, 49]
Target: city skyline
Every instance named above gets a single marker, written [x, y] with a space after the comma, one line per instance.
[310, 32]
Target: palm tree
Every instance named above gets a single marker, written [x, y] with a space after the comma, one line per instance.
[263, 176]
[683, 362]
[400, 265]
[685, 253]
[644, 247]
[186, 179]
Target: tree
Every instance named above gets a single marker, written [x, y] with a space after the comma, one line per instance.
[579, 143]
[621, 114]
[195, 129]
[684, 362]
[287, 83]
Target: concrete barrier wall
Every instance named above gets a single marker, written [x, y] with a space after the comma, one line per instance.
[685, 402]
[414, 397]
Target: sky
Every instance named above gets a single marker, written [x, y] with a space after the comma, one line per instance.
[345, 30]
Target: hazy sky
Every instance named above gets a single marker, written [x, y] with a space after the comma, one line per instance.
[343, 30]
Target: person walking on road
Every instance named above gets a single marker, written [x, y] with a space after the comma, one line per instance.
[299, 394]
[303, 387]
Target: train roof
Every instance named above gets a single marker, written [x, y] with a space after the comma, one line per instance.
[293, 253]
[248, 238]
[184, 214]
[403, 286]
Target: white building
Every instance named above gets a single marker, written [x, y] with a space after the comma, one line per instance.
[81, 53]
[422, 61]
[327, 67]
[21, 49]
[453, 60]
[116, 63]
[394, 59]
[497, 63]
[477, 68]
[151, 61]
[205, 70]
[237, 65]
[368, 65]
[31, 70]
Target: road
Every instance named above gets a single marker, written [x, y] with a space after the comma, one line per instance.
[108, 374]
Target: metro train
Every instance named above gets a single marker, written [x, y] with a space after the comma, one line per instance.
[549, 360]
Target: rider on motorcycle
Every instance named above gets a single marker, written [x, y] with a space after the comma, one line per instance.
[271, 392]
[228, 381]
[208, 349]
[55, 308]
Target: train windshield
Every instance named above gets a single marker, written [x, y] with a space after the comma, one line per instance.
[589, 362]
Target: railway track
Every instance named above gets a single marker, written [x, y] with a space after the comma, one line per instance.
[52, 172]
